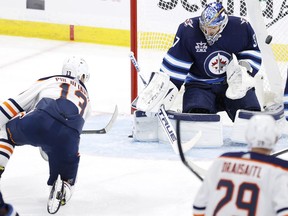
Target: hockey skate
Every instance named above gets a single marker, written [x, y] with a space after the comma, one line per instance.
[56, 197]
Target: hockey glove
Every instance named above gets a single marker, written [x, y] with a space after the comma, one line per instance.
[238, 79]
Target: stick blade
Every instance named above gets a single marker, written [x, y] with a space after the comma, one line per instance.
[107, 127]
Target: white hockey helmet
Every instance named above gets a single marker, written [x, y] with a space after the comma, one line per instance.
[213, 16]
[76, 67]
[262, 132]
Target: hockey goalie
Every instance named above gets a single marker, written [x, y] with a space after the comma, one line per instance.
[216, 58]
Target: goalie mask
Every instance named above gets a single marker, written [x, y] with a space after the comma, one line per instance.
[212, 21]
[262, 132]
[76, 67]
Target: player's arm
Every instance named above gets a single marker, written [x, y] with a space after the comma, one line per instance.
[18, 104]
[280, 194]
[250, 56]
[177, 62]
[244, 65]
[201, 200]
[203, 195]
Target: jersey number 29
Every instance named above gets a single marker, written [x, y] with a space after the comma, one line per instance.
[245, 188]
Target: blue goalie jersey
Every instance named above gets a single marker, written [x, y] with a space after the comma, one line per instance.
[193, 61]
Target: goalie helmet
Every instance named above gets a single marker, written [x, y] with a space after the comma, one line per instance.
[262, 132]
[212, 21]
[76, 67]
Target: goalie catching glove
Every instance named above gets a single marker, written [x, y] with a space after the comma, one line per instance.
[238, 78]
[159, 91]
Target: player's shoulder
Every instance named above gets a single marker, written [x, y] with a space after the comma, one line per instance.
[50, 77]
[190, 24]
[260, 158]
[189, 30]
[62, 78]
[232, 154]
[238, 21]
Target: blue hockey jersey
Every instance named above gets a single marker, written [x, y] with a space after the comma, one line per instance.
[192, 60]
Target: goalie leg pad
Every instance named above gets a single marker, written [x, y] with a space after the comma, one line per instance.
[209, 124]
[243, 116]
[145, 127]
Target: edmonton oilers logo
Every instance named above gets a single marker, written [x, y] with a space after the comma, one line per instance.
[215, 63]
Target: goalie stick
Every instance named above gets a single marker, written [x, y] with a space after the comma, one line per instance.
[163, 118]
[107, 127]
[196, 170]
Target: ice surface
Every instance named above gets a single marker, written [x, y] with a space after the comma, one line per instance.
[117, 177]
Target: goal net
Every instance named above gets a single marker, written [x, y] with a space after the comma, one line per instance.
[157, 22]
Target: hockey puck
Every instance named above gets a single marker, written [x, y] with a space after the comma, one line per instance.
[268, 39]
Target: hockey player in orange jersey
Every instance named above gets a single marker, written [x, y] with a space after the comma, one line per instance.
[250, 183]
[50, 114]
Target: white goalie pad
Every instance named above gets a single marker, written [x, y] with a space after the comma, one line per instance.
[160, 90]
[147, 128]
[210, 126]
[243, 116]
[238, 79]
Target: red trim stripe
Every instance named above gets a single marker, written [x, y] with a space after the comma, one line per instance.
[72, 32]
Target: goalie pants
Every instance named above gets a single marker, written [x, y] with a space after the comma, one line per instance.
[212, 98]
[40, 128]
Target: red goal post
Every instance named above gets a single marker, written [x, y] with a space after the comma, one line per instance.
[155, 22]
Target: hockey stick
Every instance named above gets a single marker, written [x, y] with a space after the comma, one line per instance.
[163, 118]
[283, 151]
[162, 115]
[107, 127]
[168, 128]
[196, 170]
[136, 65]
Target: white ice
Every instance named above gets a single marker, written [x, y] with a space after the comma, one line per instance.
[117, 177]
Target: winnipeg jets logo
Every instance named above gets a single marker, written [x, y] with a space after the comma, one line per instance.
[201, 47]
[219, 63]
[188, 22]
[215, 63]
